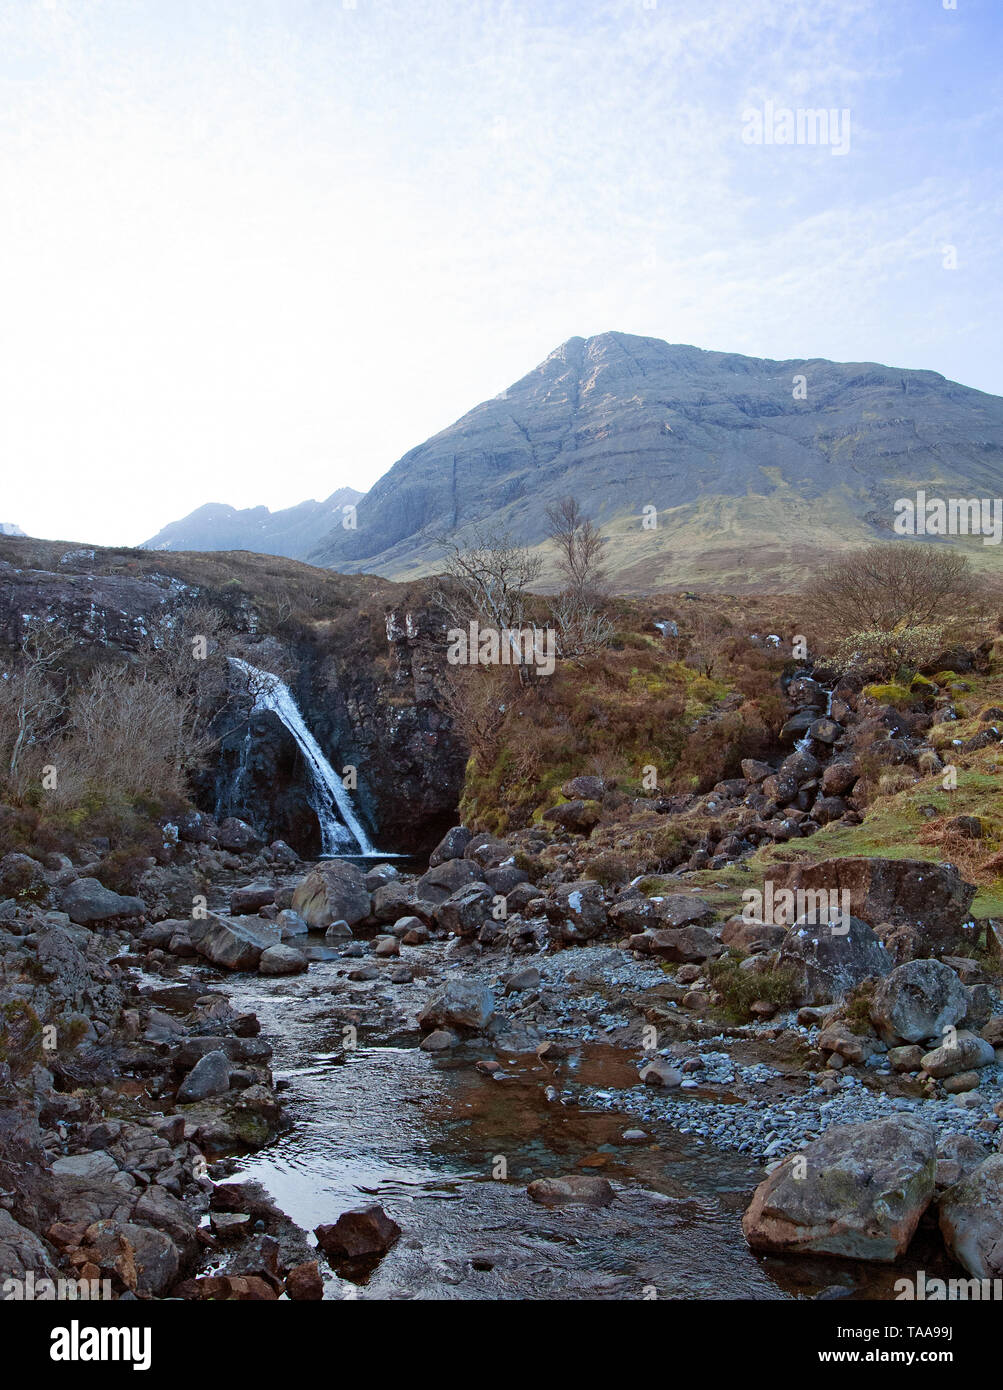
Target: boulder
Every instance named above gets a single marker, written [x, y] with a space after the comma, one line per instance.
[87, 902]
[464, 912]
[362, 1233]
[487, 851]
[964, 1052]
[639, 913]
[237, 836]
[917, 1001]
[683, 944]
[581, 909]
[863, 1190]
[282, 960]
[574, 1189]
[333, 891]
[437, 885]
[971, 1220]
[828, 964]
[579, 816]
[933, 899]
[838, 779]
[231, 942]
[210, 1076]
[251, 897]
[451, 846]
[460, 1005]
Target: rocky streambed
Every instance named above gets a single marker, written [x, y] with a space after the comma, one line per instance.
[350, 1081]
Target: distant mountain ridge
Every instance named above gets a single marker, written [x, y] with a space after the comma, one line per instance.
[293, 532]
[7, 528]
[755, 467]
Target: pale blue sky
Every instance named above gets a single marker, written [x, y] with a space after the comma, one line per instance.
[252, 250]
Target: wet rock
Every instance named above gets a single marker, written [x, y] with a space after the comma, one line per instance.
[379, 876]
[290, 923]
[88, 902]
[440, 1040]
[451, 846]
[917, 1001]
[572, 1190]
[863, 1190]
[825, 731]
[460, 1005]
[210, 1076]
[237, 836]
[338, 931]
[362, 1233]
[971, 1220]
[304, 1282]
[827, 964]
[251, 897]
[331, 892]
[963, 1052]
[282, 960]
[234, 944]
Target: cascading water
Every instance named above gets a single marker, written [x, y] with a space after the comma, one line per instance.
[339, 825]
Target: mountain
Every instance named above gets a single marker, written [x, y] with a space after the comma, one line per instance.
[292, 532]
[7, 528]
[750, 483]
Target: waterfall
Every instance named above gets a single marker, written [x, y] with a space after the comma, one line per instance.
[338, 822]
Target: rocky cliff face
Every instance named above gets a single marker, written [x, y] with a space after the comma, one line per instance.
[747, 477]
[362, 664]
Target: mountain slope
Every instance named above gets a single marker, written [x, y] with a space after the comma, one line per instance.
[292, 532]
[749, 482]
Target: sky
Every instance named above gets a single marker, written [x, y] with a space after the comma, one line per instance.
[252, 251]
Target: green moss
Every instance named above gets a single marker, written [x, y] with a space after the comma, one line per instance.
[890, 694]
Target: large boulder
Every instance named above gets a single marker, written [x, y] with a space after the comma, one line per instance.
[210, 1076]
[445, 878]
[460, 1005]
[333, 891]
[464, 912]
[917, 1001]
[671, 910]
[963, 1052]
[251, 897]
[362, 1233]
[857, 1192]
[451, 846]
[20, 1252]
[282, 960]
[579, 816]
[87, 902]
[237, 836]
[932, 899]
[828, 962]
[971, 1220]
[580, 909]
[235, 943]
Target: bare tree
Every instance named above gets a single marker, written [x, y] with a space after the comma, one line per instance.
[30, 700]
[579, 609]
